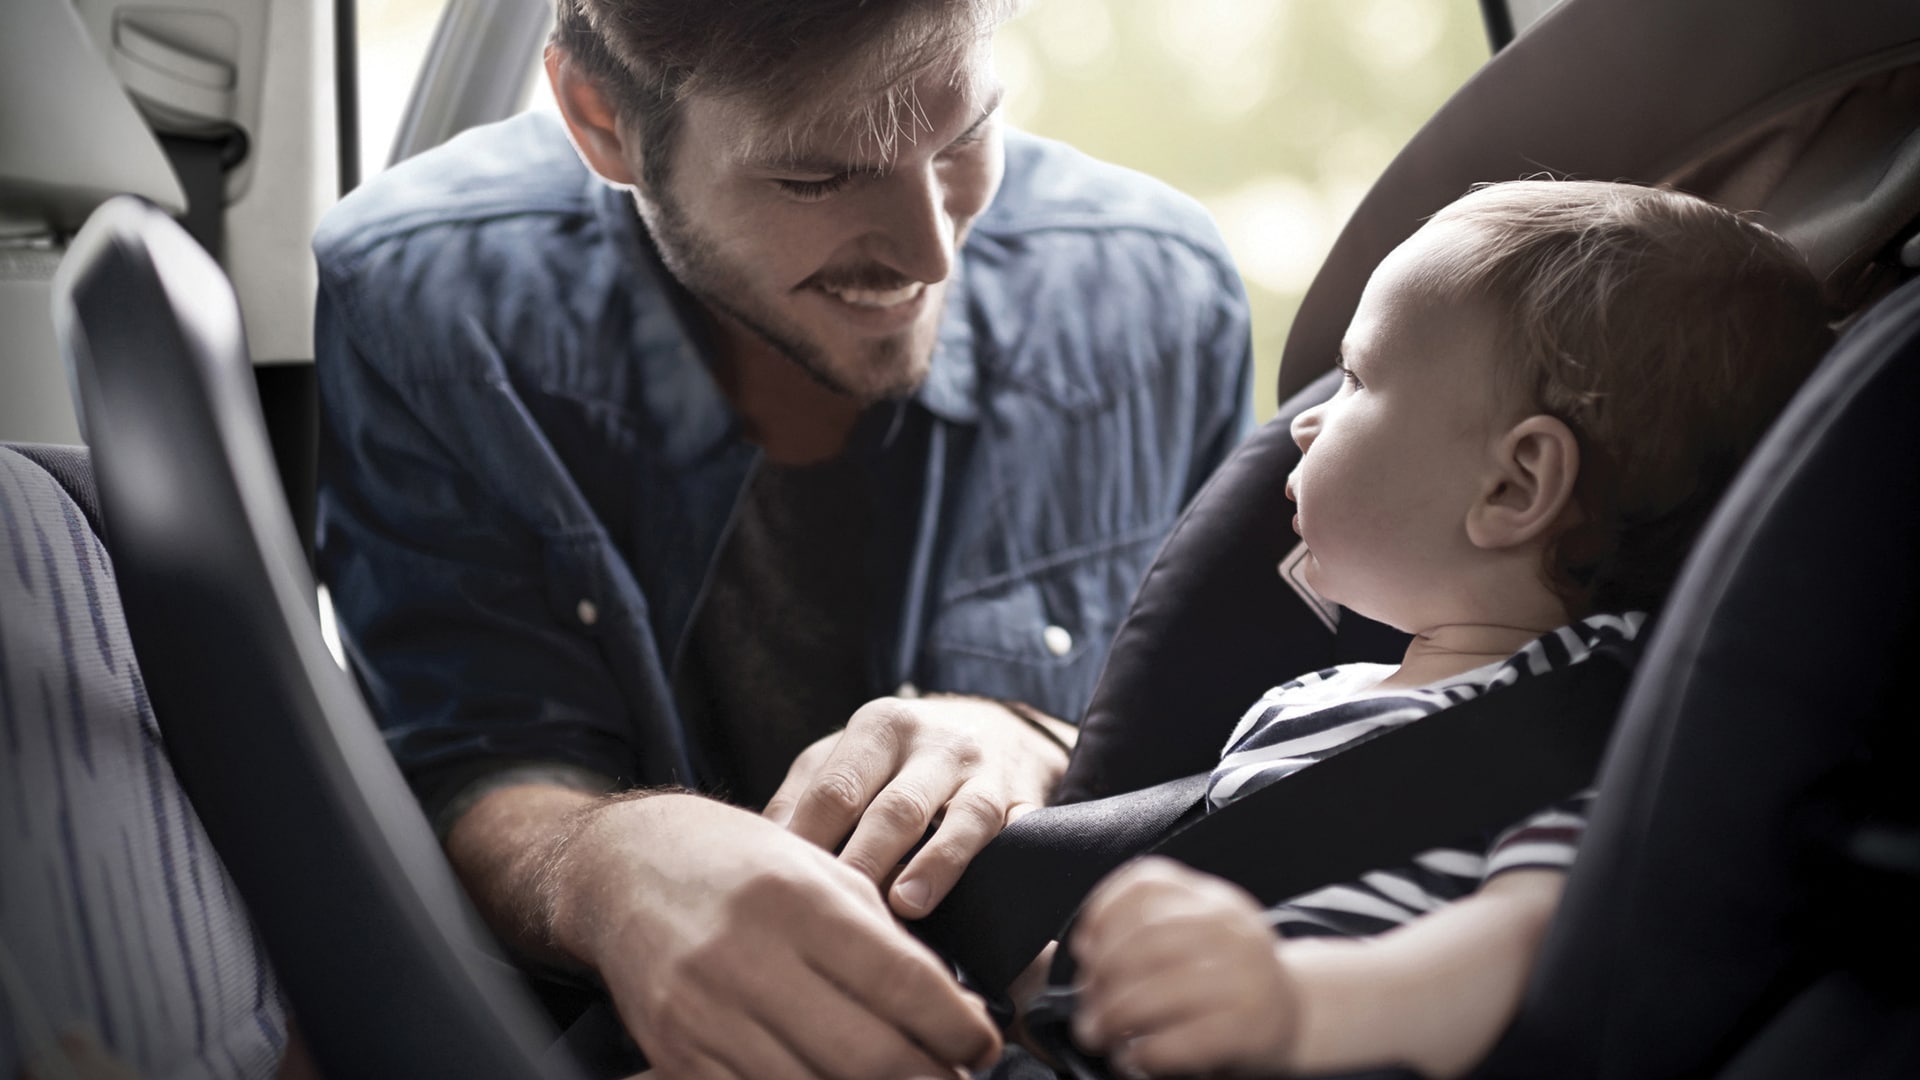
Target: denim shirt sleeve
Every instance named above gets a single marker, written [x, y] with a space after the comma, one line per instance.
[455, 598]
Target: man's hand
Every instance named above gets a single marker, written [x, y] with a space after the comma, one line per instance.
[1182, 975]
[901, 764]
[732, 949]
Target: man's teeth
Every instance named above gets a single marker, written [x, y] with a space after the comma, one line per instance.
[876, 298]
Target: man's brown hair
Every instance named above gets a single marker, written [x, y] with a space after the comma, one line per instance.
[852, 61]
[1665, 331]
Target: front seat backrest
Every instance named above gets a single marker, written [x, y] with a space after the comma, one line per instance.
[380, 955]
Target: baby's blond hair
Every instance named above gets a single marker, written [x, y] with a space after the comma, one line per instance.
[1665, 331]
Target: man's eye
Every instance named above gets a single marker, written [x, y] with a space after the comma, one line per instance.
[810, 190]
[972, 140]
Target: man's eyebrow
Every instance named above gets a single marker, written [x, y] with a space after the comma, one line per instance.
[833, 166]
[986, 114]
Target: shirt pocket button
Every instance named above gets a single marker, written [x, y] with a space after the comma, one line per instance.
[1057, 640]
[587, 612]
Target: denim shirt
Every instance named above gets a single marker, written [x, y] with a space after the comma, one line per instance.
[527, 469]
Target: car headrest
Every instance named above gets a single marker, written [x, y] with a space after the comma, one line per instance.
[1777, 671]
[1651, 90]
[71, 138]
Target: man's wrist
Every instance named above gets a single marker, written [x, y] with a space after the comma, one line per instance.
[1038, 721]
[589, 859]
[1058, 732]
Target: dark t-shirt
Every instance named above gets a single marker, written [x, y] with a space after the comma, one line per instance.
[777, 654]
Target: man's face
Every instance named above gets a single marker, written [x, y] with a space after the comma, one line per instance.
[1391, 464]
[834, 253]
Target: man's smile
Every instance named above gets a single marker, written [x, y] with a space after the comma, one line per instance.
[879, 298]
[869, 312]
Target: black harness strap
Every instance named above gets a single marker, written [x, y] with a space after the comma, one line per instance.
[1462, 771]
[1018, 892]
[1480, 765]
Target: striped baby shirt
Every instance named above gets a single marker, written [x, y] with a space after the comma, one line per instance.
[1318, 715]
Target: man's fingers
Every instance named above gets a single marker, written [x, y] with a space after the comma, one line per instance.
[840, 1037]
[863, 761]
[901, 981]
[749, 1052]
[898, 818]
[779, 809]
[972, 819]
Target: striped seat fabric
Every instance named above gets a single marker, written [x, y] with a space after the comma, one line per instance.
[115, 914]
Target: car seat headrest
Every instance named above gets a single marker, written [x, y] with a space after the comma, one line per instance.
[1836, 173]
[1639, 90]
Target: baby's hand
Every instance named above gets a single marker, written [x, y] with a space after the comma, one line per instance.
[1181, 974]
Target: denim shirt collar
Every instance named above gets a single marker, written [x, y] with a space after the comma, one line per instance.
[685, 401]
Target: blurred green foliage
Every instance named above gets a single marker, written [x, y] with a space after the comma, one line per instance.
[1276, 114]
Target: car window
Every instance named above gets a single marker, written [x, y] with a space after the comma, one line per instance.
[393, 40]
[1276, 115]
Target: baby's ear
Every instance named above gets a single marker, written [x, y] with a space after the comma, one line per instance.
[1529, 487]
[589, 118]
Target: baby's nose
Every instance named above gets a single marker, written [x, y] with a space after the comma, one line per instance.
[1304, 427]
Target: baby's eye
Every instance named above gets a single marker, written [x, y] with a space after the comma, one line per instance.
[1347, 373]
[813, 190]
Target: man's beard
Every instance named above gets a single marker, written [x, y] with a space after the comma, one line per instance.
[695, 262]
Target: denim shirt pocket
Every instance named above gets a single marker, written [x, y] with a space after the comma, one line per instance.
[1039, 633]
[579, 597]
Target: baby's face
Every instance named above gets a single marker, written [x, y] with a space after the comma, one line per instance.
[1394, 461]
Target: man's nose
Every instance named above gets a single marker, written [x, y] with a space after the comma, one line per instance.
[915, 230]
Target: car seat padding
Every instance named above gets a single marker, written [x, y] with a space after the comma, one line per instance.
[1212, 627]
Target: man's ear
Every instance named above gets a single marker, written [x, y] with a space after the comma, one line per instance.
[590, 120]
[1530, 487]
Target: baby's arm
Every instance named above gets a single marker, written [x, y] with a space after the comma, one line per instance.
[1182, 975]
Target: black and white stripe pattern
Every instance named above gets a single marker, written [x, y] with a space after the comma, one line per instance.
[1318, 715]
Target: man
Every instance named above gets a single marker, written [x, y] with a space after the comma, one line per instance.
[647, 460]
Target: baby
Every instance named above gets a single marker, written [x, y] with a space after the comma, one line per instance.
[1546, 389]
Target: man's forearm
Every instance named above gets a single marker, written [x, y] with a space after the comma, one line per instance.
[507, 850]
